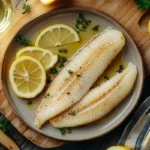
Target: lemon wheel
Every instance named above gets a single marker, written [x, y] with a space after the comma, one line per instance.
[56, 35]
[46, 57]
[27, 77]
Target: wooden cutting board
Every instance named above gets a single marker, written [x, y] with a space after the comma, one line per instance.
[124, 11]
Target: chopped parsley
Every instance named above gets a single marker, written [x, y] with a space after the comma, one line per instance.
[22, 41]
[120, 69]
[63, 50]
[62, 61]
[106, 77]
[64, 131]
[53, 70]
[70, 71]
[95, 28]
[47, 95]
[29, 102]
[26, 8]
[68, 93]
[48, 81]
[81, 23]
[78, 75]
[5, 126]
[72, 113]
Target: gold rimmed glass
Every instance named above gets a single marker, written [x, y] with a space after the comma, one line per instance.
[5, 14]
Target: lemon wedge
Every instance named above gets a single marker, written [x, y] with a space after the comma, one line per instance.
[118, 148]
[27, 77]
[47, 2]
[56, 35]
[149, 26]
[46, 57]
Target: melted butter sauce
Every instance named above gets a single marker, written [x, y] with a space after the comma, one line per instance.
[74, 47]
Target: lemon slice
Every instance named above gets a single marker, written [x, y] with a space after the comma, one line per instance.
[46, 57]
[149, 26]
[118, 148]
[55, 35]
[47, 2]
[27, 77]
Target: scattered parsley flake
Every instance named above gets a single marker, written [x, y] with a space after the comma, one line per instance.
[70, 71]
[78, 75]
[68, 93]
[53, 70]
[22, 41]
[95, 28]
[106, 77]
[64, 131]
[62, 61]
[120, 69]
[29, 102]
[63, 50]
[72, 113]
[47, 95]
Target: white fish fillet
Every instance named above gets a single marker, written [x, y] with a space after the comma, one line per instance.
[99, 101]
[90, 62]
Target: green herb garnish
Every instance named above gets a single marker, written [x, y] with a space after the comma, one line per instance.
[72, 113]
[120, 69]
[26, 8]
[47, 95]
[22, 41]
[29, 102]
[62, 60]
[53, 70]
[81, 23]
[143, 4]
[64, 131]
[68, 93]
[63, 50]
[78, 75]
[106, 77]
[70, 71]
[95, 28]
[5, 126]
[48, 81]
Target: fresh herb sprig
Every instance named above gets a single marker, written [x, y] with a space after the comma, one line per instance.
[81, 23]
[21, 40]
[5, 126]
[70, 71]
[64, 131]
[47, 95]
[143, 4]
[26, 8]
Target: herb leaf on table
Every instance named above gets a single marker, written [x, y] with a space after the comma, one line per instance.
[143, 4]
[5, 126]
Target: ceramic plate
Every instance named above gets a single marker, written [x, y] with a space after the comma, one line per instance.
[92, 130]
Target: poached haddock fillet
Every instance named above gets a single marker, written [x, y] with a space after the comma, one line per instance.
[89, 63]
[99, 101]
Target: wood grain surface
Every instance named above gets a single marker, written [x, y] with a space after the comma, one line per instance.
[124, 11]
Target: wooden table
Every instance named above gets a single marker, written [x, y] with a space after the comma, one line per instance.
[95, 144]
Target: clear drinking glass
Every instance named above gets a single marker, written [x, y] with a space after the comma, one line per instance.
[5, 14]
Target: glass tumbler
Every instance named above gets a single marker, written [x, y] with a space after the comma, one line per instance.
[5, 14]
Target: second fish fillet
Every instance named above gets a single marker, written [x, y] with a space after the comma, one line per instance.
[89, 63]
[99, 101]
